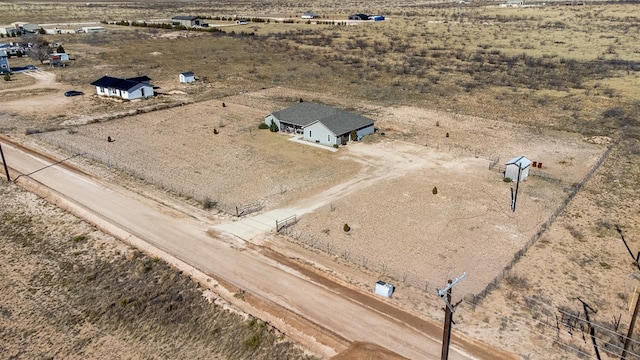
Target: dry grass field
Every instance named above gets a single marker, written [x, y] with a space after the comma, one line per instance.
[556, 83]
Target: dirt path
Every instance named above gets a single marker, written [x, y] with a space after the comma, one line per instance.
[185, 238]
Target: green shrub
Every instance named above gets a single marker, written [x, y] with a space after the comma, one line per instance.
[354, 135]
[253, 342]
[507, 180]
[346, 228]
[7, 77]
[263, 126]
[273, 127]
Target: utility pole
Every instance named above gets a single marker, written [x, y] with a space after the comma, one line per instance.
[514, 198]
[627, 340]
[6, 169]
[592, 330]
[445, 295]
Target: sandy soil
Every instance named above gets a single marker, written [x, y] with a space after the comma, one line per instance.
[400, 230]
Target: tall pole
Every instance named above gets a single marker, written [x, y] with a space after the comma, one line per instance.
[515, 197]
[448, 318]
[627, 340]
[445, 295]
[6, 170]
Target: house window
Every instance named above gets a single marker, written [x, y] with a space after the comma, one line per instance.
[309, 133]
[329, 137]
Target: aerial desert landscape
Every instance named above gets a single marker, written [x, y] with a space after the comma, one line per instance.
[455, 90]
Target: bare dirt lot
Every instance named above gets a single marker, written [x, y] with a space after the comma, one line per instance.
[469, 221]
[550, 95]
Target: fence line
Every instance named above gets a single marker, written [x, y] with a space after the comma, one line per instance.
[477, 298]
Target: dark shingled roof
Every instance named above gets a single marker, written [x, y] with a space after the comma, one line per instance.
[337, 120]
[115, 83]
[184, 18]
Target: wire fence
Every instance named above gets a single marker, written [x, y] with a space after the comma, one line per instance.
[183, 188]
[506, 271]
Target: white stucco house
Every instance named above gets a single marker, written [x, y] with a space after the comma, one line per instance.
[517, 165]
[321, 124]
[187, 77]
[129, 89]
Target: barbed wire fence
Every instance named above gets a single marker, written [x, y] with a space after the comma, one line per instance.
[180, 188]
[506, 271]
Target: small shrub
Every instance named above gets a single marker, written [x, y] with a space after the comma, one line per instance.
[346, 228]
[354, 135]
[273, 127]
[435, 190]
[7, 77]
[253, 342]
[335, 146]
[517, 281]
[507, 180]
[263, 126]
[224, 105]
[447, 135]
[79, 238]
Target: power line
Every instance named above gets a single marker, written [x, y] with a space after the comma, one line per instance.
[557, 327]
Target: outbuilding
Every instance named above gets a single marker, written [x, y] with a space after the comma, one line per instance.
[186, 21]
[517, 169]
[359, 17]
[309, 15]
[187, 77]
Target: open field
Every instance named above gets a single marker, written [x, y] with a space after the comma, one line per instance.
[558, 84]
[69, 291]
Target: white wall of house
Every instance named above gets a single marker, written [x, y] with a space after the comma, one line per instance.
[318, 133]
[365, 131]
[269, 118]
[143, 91]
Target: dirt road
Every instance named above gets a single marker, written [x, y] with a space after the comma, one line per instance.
[182, 236]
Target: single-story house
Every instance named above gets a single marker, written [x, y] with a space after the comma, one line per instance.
[188, 21]
[321, 124]
[517, 165]
[31, 28]
[58, 59]
[130, 89]
[10, 31]
[359, 17]
[187, 77]
[309, 15]
[4, 62]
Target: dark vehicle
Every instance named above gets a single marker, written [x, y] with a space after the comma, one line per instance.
[73, 93]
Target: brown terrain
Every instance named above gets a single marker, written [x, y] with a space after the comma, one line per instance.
[424, 200]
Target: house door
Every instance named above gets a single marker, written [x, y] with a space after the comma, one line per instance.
[344, 139]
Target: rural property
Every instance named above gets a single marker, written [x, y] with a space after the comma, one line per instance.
[278, 181]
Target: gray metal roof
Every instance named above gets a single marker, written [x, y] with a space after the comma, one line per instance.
[182, 17]
[337, 120]
[519, 161]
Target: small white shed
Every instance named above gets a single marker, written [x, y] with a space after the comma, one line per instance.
[187, 77]
[517, 165]
[384, 289]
